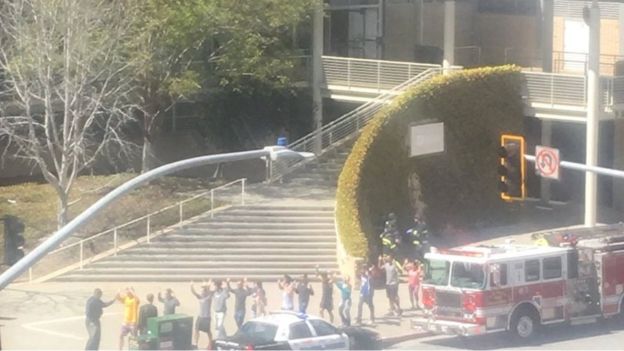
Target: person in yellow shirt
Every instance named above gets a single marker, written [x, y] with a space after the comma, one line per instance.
[131, 312]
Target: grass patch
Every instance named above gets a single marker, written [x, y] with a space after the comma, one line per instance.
[37, 205]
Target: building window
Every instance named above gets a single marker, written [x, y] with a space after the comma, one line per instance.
[531, 270]
[509, 7]
[552, 268]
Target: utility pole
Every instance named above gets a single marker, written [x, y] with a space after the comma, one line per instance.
[449, 35]
[593, 114]
[317, 74]
[546, 18]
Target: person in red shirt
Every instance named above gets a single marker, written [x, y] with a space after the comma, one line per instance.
[413, 280]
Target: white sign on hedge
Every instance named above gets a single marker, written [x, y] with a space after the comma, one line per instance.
[426, 139]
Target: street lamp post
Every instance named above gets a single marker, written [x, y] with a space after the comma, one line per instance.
[449, 35]
[272, 152]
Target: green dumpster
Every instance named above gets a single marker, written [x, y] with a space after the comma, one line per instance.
[170, 332]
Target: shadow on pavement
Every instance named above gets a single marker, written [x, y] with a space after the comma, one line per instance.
[547, 335]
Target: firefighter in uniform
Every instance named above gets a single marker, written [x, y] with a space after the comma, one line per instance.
[417, 238]
[390, 239]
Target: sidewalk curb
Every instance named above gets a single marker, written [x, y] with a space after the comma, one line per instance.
[391, 340]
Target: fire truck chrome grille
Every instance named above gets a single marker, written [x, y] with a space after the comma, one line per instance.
[447, 299]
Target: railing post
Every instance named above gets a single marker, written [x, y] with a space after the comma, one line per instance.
[552, 89]
[211, 203]
[181, 212]
[243, 191]
[349, 73]
[81, 253]
[610, 92]
[379, 75]
[149, 218]
[114, 243]
[585, 90]
[268, 164]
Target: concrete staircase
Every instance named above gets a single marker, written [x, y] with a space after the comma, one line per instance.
[287, 229]
[260, 242]
[323, 172]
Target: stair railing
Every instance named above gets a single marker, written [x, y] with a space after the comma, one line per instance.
[342, 129]
[139, 230]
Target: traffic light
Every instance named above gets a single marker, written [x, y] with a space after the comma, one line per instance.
[13, 240]
[512, 167]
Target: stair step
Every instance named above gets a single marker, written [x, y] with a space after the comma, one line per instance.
[326, 167]
[249, 270]
[133, 264]
[267, 212]
[294, 208]
[148, 278]
[227, 217]
[270, 225]
[268, 245]
[231, 251]
[252, 231]
[245, 258]
[313, 182]
[313, 176]
[244, 238]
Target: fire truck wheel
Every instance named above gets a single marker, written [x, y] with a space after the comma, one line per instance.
[524, 323]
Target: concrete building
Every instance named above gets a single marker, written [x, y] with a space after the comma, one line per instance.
[541, 36]
[487, 32]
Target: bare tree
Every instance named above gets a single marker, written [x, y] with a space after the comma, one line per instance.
[65, 85]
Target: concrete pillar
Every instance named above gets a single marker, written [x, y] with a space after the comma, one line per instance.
[449, 35]
[546, 141]
[421, 22]
[618, 163]
[317, 74]
[547, 26]
[621, 29]
[593, 114]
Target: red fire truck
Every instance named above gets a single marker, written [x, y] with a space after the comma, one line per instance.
[577, 276]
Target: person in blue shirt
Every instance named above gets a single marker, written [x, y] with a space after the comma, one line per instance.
[366, 295]
[344, 286]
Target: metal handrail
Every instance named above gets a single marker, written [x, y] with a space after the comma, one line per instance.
[179, 204]
[560, 59]
[341, 129]
[570, 89]
[367, 73]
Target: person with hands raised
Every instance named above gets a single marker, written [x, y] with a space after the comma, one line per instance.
[131, 312]
[327, 295]
[220, 297]
[202, 323]
[287, 285]
[241, 293]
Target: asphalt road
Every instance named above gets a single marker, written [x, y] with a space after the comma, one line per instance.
[606, 335]
[50, 316]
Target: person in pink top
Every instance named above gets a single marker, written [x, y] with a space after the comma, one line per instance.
[414, 275]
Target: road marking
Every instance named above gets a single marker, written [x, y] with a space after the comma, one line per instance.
[34, 326]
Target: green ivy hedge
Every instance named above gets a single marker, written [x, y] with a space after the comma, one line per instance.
[458, 186]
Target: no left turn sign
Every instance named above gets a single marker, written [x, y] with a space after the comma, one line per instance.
[547, 162]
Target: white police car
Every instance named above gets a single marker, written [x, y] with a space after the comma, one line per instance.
[292, 331]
